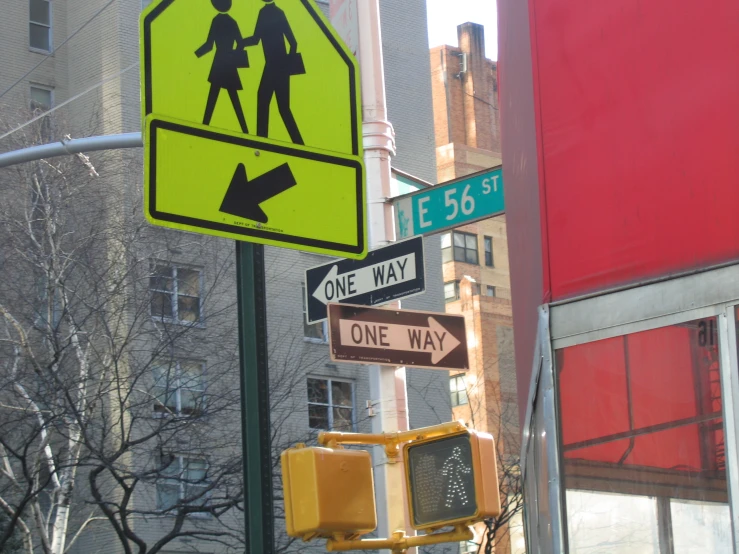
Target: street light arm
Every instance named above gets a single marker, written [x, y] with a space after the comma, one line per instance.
[72, 146]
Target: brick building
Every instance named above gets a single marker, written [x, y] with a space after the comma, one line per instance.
[190, 279]
[475, 256]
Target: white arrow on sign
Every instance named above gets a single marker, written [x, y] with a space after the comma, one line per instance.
[433, 339]
[335, 287]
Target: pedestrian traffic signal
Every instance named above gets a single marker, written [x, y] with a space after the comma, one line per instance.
[328, 492]
[452, 479]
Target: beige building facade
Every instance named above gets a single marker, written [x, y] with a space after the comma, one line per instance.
[475, 257]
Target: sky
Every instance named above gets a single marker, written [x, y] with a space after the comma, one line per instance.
[445, 15]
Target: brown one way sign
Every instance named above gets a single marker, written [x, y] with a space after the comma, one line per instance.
[363, 335]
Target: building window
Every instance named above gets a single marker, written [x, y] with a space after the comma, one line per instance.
[451, 291]
[475, 289]
[42, 99]
[48, 311]
[490, 290]
[40, 25]
[179, 388]
[330, 404]
[183, 481]
[313, 332]
[458, 389]
[175, 294]
[488, 251]
[461, 247]
[446, 248]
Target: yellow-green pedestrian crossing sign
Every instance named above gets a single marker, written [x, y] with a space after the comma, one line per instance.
[252, 124]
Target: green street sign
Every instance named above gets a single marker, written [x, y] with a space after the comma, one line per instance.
[450, 204]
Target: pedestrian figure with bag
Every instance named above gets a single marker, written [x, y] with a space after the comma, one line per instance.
[224, 73]
[271, 30]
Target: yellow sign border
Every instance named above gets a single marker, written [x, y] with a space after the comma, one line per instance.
[356, 250]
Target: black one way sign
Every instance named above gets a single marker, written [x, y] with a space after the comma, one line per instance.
[387, 274]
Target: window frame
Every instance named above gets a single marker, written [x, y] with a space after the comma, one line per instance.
[465, 248]
[456, 297]
[306, 325]
[449, 253]
[174, 294]
[49, 26]
[176, 390]
[488, 241]
[489, 288]
[330, 405]
[46, 88]
[182, 483]
[456, 379]
[38, 110]
[590, 318]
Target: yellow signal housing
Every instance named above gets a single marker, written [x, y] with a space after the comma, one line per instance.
[328, 492]
[452, 479]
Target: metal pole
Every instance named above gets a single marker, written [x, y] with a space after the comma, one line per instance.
[255, 421]
[387, 384]
[71, 146]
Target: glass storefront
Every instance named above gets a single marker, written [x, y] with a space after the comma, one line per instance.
[646, 408]
[642, 428]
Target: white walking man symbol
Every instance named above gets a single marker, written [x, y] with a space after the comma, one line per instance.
[453, 469]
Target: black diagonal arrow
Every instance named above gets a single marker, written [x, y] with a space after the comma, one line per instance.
[244, 196]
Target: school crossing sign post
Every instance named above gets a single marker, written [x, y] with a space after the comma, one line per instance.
[252, 131]
[252, 124]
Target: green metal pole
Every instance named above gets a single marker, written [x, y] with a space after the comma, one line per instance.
[255, 425]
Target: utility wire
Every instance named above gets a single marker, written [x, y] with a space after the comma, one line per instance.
[65, 41]
[75, 97]
[480, 99]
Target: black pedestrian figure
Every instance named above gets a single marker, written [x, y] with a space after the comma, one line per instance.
[272, 29]
[224, 73]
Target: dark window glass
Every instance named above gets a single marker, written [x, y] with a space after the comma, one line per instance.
[40, 24]
[458, 389]
[330, 404]
[488, 251]
[465, 247]
[318, 417]
[318, 391]
[175, 293]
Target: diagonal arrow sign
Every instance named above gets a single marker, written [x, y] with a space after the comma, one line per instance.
[339, 286]
[433, 339]
[244, 196]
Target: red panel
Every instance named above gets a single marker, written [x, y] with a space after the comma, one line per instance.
[670, 449]
[661, 376]
[521, 177]
[667, 376]
[639, 138]
[593, 371]
[609, 452]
